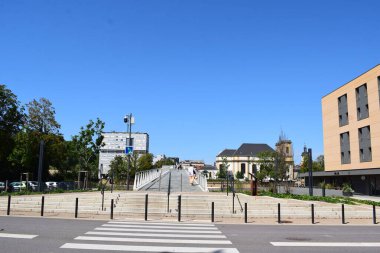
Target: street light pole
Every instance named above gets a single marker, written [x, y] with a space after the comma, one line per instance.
[128, 119]
[310, 165]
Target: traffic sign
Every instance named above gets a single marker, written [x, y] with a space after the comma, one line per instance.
[129, 150]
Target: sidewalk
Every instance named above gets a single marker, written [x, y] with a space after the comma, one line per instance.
[366, 197]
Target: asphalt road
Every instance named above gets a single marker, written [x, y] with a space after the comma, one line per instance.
[46, 235]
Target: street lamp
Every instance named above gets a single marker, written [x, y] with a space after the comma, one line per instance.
[128, 119]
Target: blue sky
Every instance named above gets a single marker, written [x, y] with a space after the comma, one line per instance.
[199, 76]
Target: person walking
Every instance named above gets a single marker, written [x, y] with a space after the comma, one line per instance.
[190, 172]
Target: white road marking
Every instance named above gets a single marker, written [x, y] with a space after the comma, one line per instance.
[17, 236]
[162, 223]
[159, 230]
[326, 244]
[146, 248]
[150, 240]
[157, 235]
[170, 227]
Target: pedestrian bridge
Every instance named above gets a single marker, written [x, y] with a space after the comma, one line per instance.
[169, 179]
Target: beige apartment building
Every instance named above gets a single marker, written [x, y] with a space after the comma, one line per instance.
[351, 134]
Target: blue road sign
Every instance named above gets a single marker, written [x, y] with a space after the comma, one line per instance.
[129, 150]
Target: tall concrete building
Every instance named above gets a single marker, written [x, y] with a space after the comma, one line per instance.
[351, 134]
[115, 144]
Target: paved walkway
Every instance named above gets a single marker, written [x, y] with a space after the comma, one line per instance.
[179, 183]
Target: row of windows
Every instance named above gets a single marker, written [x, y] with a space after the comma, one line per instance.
[365, 149]
[362, 109]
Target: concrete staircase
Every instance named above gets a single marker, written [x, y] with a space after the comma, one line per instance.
[194, 205]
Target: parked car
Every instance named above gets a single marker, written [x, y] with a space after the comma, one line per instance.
[51, 185]
[66, 185]
[17, 186]
[33, 185]
[2, 186]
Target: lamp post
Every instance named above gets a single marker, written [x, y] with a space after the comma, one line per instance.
[128, 120]
[308, 153]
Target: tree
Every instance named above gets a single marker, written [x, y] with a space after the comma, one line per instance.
[164, 161]
[317, 165]
[222, 173]
[273, 166]
[119, 168]
[11, 120]
[41, 117]
[25, 154]
[87, 145]
[145, 162]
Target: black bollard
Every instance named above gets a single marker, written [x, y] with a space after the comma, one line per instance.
[9, 205]
[76, 208]
[179, 208]
[343, 218]
[279, 213]
[374, 214]
[111, 209]
[245, 213]
[312, 213]
[42, 205]
[233, 202]
[212, 212]
[146, 207]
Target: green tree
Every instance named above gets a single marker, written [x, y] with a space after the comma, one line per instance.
[164, 161]
[145, 162]
[87, 145]
[40, 124]
[222, 173]
[272, 166]
[119, 168]
[11, 120]
[25, 154]
[317, 165]
[41, 117]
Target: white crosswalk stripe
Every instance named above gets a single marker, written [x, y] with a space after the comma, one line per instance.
[17, 236]
[153, 237]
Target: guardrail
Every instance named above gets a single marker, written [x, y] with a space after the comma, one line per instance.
[202, 181]
[143, 178]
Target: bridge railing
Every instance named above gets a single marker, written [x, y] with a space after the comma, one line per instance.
[202, 181]
[143, 178]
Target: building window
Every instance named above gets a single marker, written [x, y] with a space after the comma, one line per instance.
[345, 153]
[242, 168]
[343, 110]
[362, 102]
[365, 144]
